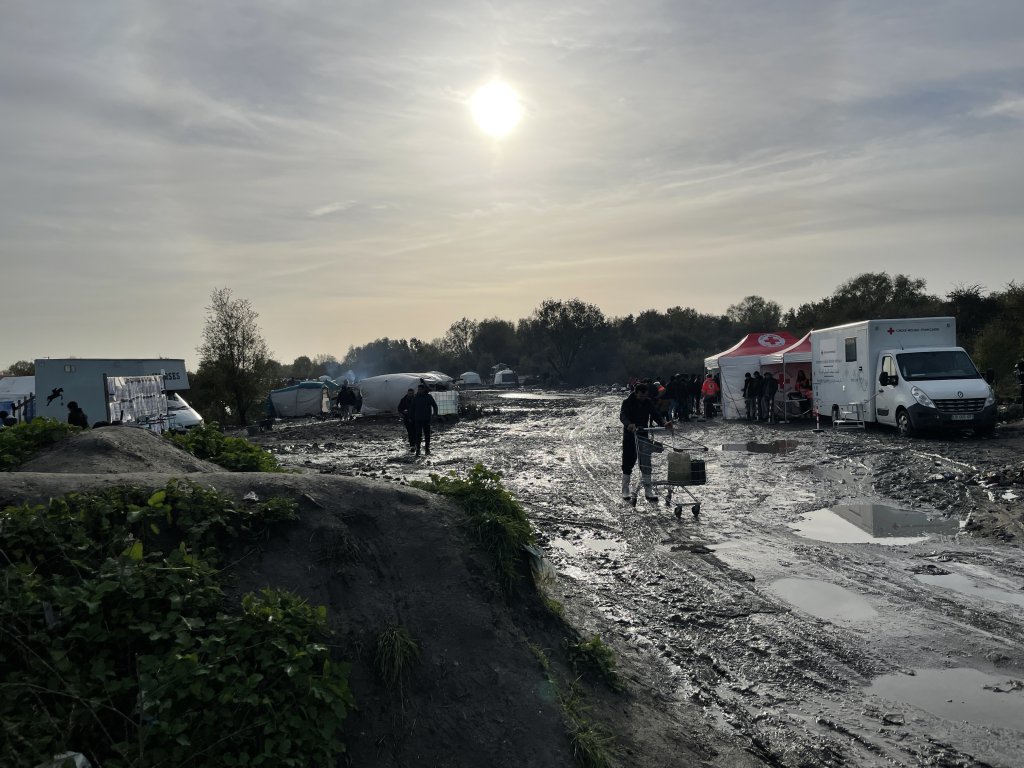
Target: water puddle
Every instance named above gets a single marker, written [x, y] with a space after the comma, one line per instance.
[965, 585]
[864, 523]
[776, 447]
[582, 546]
[532, 396]
[824, 600]
[960, 694]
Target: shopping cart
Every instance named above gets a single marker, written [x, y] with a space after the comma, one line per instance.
[681, 469]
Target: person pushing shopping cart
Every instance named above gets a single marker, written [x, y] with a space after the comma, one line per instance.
[636, 414]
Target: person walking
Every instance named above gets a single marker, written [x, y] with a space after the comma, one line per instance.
[76, 416]
[346, 401]
[636, 414]
[748, 395]
[422, 408]
[709, 391]
[1018, 373]
[404, 410]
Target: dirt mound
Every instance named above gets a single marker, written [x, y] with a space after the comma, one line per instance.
[116, 450]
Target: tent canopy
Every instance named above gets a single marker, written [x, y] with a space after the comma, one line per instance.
[470, 377]
[743, 357]
[798, 352]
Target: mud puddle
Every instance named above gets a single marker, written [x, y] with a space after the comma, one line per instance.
[824, 600]
[877, 523]
[775, 447]
[960, 694]
[977, 582]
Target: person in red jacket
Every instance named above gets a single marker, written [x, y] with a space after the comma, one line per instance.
[709, 391]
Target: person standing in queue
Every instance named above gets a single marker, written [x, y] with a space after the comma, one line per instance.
[636, 414]
[709, 391]
[423, 407]
[748, 395]
[404, 410]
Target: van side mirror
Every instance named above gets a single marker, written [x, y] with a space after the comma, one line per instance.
[883, 379]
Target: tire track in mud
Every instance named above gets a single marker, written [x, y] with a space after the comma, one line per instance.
[790, 684]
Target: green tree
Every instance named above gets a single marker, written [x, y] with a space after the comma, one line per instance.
[458, 341]
[755, 313]
[234, 361]
[560, 332]
[495, 341]
[301, 368]
[21, 368]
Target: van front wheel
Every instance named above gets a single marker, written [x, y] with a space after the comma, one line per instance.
[903, 423]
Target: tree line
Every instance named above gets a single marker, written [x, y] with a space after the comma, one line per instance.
[571, 342]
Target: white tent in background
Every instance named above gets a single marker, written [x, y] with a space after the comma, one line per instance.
[470, 378]
[743, 357]
[307, 398]
[506, 378]
[381, 393]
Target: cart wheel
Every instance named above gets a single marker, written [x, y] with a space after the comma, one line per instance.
[695, 509]
[679, 510]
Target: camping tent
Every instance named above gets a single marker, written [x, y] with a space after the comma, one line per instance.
[470, 379]
[743, 357]
[382, 393]
[307, 398]
[506, 378]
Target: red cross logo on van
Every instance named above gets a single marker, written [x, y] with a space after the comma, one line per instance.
[891, 331]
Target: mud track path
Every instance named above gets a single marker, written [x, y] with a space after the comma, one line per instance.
[810, 651]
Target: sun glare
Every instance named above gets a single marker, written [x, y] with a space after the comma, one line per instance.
[496, 108]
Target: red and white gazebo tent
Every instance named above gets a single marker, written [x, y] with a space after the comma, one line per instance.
[795, 357]
[744, 357]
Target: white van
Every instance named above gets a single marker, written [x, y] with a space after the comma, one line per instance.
[180, 415]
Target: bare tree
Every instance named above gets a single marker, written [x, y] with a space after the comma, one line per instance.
[234, 363]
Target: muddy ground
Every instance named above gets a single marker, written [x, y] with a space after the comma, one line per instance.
[843, 598]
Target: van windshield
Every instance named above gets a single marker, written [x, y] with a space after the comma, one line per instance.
[945, 364]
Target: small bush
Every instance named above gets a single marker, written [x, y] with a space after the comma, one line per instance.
[22, 441]
[115, 638]
[497, 519]
[396, 650]
[233, 453]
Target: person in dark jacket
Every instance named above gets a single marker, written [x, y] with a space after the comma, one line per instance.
[757, 390]
[422, 407]
[76, 416]
[636, 414]
[771, 386]
[346, 401]
[748, 395]
[404, 409]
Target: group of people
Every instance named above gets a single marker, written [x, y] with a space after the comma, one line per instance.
[348, 401]
[682, 396]
[417, 407]
[760, 391]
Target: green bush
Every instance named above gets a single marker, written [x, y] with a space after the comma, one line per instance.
[115, 639]
[497, 519]
[234, 453]
[596, 656]
[22, 441]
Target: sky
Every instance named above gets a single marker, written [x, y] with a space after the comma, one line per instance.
[320, 159]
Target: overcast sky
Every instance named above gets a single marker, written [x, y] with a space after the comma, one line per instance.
[319, 159]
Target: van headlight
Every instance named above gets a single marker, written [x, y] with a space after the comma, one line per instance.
[991, 399]
[921, 397]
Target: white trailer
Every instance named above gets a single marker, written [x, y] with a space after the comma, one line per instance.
[60, 381]
[906, 372]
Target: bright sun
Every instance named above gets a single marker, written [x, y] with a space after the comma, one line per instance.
[496, 108]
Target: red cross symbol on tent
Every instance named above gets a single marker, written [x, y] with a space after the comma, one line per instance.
[891, 330]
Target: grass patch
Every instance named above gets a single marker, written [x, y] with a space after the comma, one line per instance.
[597, 657]
[496, 518]
[395, 654]
[21, 442]
[115, 638]
[233, 453]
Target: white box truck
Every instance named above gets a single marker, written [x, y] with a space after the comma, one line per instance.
[60, 381]
[907, 373]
